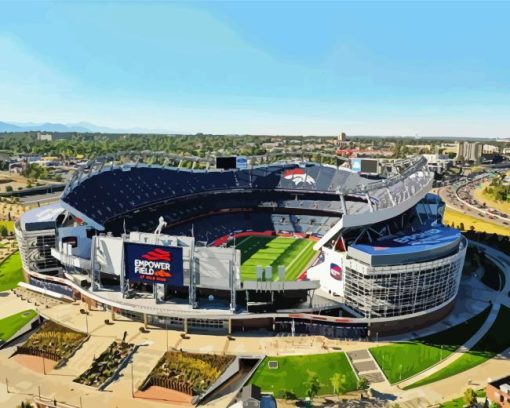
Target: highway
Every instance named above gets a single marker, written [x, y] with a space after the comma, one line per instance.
[459, 198]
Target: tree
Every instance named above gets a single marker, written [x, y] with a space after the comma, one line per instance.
[363, 383]
[469, 397]
[313, 387]
[3, 231]
[338, 381]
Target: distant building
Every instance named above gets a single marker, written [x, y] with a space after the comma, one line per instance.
[498, 391]
[51, 137]
[490, 149]
[45, 137]
[270, 147]
[342, 137]
[16, 167]
[438, 163]
[469, 151]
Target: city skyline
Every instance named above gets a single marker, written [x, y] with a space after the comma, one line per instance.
[270, 68]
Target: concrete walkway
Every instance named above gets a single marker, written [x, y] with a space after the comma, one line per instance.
[84, 356]
[11, 304]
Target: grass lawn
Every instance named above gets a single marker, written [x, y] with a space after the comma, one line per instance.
[294, 372]
[403, 360]
[294, 253]
[11, 324]
[10, 272]
[456, 217]
[495, 341]
[8, 224]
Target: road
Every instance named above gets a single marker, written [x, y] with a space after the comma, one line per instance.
[448, 195]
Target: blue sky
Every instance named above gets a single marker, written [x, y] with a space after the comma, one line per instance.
[402, 68]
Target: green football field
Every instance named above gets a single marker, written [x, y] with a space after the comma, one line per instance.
[294, 253]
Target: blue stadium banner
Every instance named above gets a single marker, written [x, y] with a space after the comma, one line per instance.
[153, 264]
[241, 162]
[356, 165]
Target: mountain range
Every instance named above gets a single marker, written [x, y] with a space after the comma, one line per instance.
[81, 127]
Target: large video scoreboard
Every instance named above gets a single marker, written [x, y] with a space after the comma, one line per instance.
[153, 264]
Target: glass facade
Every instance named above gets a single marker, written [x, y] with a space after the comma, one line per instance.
[35, 250]
[385, 292]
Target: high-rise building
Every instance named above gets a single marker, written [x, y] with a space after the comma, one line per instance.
[469, 151]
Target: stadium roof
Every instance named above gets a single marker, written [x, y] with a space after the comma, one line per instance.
[428, 243]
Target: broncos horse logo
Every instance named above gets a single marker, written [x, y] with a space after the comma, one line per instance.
[298, 176]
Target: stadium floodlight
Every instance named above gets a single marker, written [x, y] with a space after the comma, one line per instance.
[281, 272]
[269, 273]
[260, 272]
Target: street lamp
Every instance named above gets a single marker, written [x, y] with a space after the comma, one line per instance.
[86, 313]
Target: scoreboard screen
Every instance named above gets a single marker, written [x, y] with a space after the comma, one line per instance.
[226, 163]
[369, 166]
[153, 264]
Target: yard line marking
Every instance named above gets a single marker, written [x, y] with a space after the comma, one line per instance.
[297, 257]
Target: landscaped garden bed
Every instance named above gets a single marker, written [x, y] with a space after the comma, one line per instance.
[52, 341]
[188, 373]
[107, 364]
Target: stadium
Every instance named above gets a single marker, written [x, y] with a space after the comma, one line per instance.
[356, 249]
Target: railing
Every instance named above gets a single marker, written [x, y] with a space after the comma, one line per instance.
[171, 384]
[48, 355]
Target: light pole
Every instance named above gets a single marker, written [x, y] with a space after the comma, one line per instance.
[132, 380]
